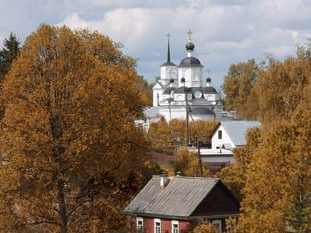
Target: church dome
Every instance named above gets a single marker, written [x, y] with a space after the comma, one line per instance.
[190, 62]
[189, 46]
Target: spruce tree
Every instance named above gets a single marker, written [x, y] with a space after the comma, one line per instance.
[11, 49]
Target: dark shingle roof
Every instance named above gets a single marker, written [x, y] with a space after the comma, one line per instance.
[209, 90]
[180, 90]
[201, 111]
[168, 90]
[168, 63]
[190, 62]
[179, 198]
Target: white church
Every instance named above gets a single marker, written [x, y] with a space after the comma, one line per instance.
[183, 87]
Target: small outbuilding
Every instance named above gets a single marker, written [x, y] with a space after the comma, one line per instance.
[174, 204]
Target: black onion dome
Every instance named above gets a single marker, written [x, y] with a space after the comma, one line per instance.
[208, 80]
[190, 62]
[189, 46]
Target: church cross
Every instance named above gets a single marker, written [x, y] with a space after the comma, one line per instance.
[168, 36]
[189, 34]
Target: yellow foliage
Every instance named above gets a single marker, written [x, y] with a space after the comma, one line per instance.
[204, 228]
[278, 173]
[187, 163]
[70, 147]
[164, 134]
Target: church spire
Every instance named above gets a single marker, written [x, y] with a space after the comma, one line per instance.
[168, 59]
[168, 48]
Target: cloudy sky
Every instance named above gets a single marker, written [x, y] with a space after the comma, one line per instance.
[224, 31]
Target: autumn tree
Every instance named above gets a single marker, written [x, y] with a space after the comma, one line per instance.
[204, 228]
[160, 134]
[202, 131]
[238, 88]
[167, 134]
[285, 85]
[277, 192]
[71, 153]
[234, 176]
[144, 87]
[187, 163]
[270, 91]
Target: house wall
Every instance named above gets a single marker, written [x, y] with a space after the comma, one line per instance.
[219, 202]
[166, 225]
[219, 142]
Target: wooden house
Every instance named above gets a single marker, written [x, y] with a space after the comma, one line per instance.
[174, 204]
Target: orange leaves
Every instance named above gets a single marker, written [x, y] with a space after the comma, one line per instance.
[204, 228]
[71, 101]
[278, 171]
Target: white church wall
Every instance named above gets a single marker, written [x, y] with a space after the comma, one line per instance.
[196, 77]
[192, 75]
[168, 72]
[156, 96]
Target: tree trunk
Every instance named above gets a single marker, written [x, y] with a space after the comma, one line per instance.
[62, 206]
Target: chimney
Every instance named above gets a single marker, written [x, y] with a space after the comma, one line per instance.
[164, 180]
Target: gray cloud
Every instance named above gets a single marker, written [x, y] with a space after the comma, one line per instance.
[225, 31]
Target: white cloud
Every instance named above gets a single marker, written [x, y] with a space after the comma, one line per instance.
[225, 31]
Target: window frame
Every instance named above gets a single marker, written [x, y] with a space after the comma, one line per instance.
[175, 222]
[155, 221]
[219, 134]
[140, 219]
[217, 221]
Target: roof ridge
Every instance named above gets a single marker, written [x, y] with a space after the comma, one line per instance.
[189, 177]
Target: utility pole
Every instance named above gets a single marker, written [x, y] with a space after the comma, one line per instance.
[183, 80]
[200, 167]
[187, 118]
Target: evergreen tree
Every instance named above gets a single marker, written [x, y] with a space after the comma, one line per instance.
[9, 52]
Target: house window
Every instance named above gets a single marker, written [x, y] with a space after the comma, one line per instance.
[219, 134]
[157, 225]
[175, 227]
[140, 225]
[217, 225]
